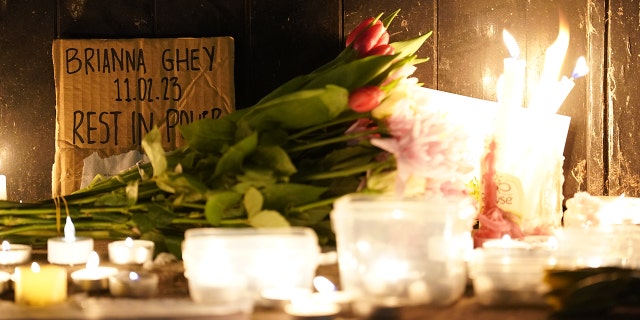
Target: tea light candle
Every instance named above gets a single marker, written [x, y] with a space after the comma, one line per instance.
[130, 251]
[13, 254]
[37, 285]
[277, 298]
[311, 307]
[69, 249]
[327, 293]
[93, 277]
[133, 284]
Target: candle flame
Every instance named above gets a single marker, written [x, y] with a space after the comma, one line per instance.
[6, 246]
[581, 68]
[512, 45]
[35, 267]
[323, 285]
[133, 276]
[554, 56]
[93, 261]
[128, 242]
[506, 238]
[69, 230]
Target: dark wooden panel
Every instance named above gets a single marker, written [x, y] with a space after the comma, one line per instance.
[470, 45]
[105, 19]
[210, 18]
[27, 98]
[415, 19]
[289, 38]
[623, 143]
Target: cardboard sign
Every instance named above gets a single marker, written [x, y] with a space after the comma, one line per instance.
[110, 93]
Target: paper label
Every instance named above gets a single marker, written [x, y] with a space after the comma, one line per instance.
[510, 195]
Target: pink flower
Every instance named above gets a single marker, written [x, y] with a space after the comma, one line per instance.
[427, 146]
[365, 99]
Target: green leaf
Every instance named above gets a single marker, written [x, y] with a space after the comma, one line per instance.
[160, 215]
[231, 161]
[131, 191]
[112, 199]
[284, 195]
[275, 158]
[409, 47]
[143, 222]
[254, 178]
[268, 219]
[185, 185]
[300, 109]
[252, 202]
[355, 74]
[217, 203]
[209, 135]
[152, 145]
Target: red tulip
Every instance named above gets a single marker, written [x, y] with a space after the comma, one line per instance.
[365, 99]
[355, 32]
[380, 50]
[369, 38]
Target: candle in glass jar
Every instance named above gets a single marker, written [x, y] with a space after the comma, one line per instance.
[93, 277]
[130, 251]
[14, 254]
[37, 285]
[69, 250]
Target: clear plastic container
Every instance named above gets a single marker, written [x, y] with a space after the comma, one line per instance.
[240, 264]
[510, 276]
[398, 252]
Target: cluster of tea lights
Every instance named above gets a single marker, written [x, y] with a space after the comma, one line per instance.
[41, 285]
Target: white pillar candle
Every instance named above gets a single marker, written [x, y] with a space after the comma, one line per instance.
[69, 250]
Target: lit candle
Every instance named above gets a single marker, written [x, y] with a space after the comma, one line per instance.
[93, 277]
[13, 254]
[130, 251]
[69, 249]
[505, 243]
[37, 285]
[543, 99]
[510, 87]
[560, 92]
[328, 293]
[3, 187]
[133, 284]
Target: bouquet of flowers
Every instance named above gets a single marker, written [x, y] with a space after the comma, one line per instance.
[355, 124]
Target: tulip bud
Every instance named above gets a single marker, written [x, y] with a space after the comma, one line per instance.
[369, 38]
[380, 50]
[355, 32]
[365, 99]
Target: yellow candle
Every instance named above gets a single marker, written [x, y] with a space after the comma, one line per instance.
[37, 285]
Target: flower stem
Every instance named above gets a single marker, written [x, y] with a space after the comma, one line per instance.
[343, 138]
[347, 172]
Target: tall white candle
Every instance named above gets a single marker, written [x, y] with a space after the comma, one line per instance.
[510, 89]
[564, 87]
[3, 187]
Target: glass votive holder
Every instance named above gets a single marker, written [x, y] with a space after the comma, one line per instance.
[616, 245]
[510, 276]
[399, 252]
[259, 259]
